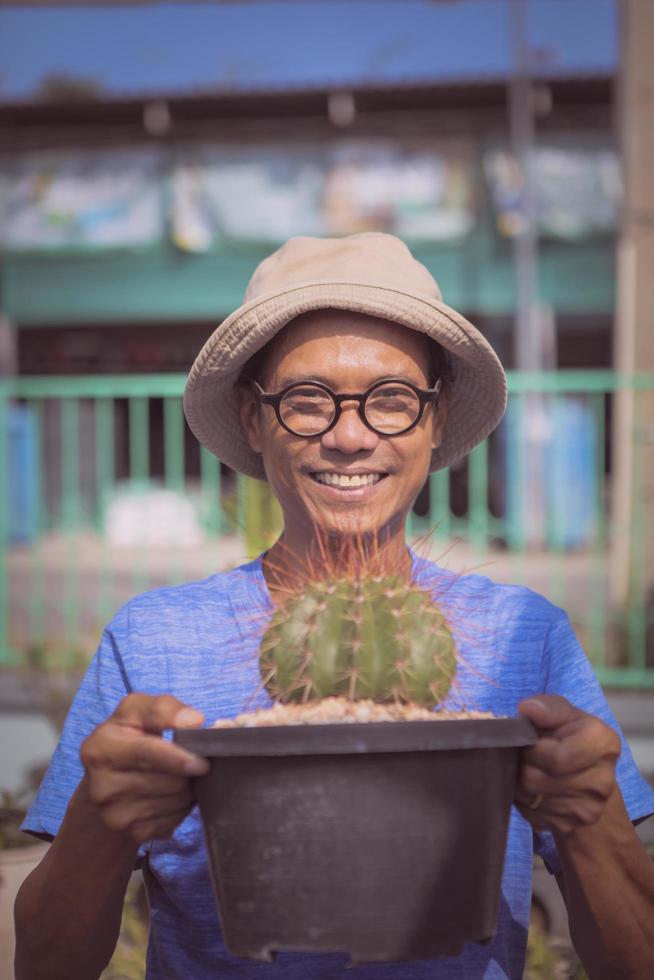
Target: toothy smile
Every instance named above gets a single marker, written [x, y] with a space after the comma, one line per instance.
[344, 480]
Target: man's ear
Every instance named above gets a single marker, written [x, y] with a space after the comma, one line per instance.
[250, 415]
[440, 419]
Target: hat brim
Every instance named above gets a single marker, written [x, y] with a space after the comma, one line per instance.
[476, 396]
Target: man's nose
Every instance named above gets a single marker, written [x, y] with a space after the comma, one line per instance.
[350, 434]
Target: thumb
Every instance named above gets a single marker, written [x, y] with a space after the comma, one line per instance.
[548, 711]
[155, 713]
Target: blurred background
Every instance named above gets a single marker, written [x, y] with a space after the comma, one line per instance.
[152, 154]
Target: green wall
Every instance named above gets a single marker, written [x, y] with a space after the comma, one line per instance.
[163, 283]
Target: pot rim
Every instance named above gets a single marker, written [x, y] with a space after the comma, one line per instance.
[358, 737]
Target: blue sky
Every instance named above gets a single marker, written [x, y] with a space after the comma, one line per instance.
[263, 45]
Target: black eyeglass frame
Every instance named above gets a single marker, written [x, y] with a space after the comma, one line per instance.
[426, 396]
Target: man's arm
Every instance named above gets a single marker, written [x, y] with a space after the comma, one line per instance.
[607, 884]
[568, 786]
[136, 788]
[68, 910]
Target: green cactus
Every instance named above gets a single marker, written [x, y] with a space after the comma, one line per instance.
[379, 637]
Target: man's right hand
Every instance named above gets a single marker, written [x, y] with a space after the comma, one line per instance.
[139, 782]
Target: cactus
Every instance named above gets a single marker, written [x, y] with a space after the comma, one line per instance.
[375, 636]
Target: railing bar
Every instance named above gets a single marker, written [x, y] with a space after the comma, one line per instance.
[5, 656]
[174, 459]
[104, 455]
[514, 491]
[70, 497]
[96, 386]
[70, 514]
[555, 521]
[439, 503]
[637, 625]
[598, 599]
[162, 385]
[211, 491]
[478, 497]
[36, 598]
[139, 471]
[174, 443]
[577, 381]
[241, 504]
[139, 440]
[262, 516]
[105, 471]
[634, 677]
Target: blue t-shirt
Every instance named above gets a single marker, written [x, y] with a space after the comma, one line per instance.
[200, 642]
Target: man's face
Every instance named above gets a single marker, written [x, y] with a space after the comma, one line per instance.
[348, 352]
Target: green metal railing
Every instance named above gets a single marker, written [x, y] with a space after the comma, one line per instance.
[88, 443]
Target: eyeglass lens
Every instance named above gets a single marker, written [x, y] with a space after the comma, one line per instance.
[308, 410]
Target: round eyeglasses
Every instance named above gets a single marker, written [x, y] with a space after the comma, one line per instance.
[390, 407]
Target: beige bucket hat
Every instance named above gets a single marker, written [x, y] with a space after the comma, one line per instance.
[370, 273]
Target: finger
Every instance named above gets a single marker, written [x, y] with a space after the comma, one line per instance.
[159, 828]
[155, 714]
[113, 786]
[549, 711]
[554, 823]
[550, 811]
[597, 783]
[115, 747]
[589, 743]
[141, 821]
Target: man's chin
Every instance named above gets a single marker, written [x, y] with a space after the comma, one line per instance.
[356, 522]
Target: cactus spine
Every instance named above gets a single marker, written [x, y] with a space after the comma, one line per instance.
[379, 637]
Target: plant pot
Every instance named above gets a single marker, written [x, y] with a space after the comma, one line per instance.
[385, 840]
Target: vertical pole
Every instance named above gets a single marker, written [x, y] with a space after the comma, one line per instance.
[632, 564]
[521, 126]
[4, 529]
[8, 369]
[527, 336]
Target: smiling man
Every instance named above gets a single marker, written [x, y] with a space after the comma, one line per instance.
[343, 380]
[346, 438]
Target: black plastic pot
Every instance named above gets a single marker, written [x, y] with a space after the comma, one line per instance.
[383, 840]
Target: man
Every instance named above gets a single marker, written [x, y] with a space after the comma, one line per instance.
[288, 387]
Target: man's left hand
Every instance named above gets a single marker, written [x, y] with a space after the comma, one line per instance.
[567, 777]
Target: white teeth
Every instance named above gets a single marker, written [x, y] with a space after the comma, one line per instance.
[338, 480]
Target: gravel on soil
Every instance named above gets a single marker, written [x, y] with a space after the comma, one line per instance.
[341, 711]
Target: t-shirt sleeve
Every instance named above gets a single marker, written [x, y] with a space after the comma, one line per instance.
[570, 674]
[103, 686]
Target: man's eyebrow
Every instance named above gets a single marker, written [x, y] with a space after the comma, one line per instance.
[301, 378]
[321, 379]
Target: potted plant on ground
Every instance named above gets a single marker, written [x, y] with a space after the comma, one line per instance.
[354, 815]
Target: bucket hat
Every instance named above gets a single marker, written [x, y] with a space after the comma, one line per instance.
[371, 273]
